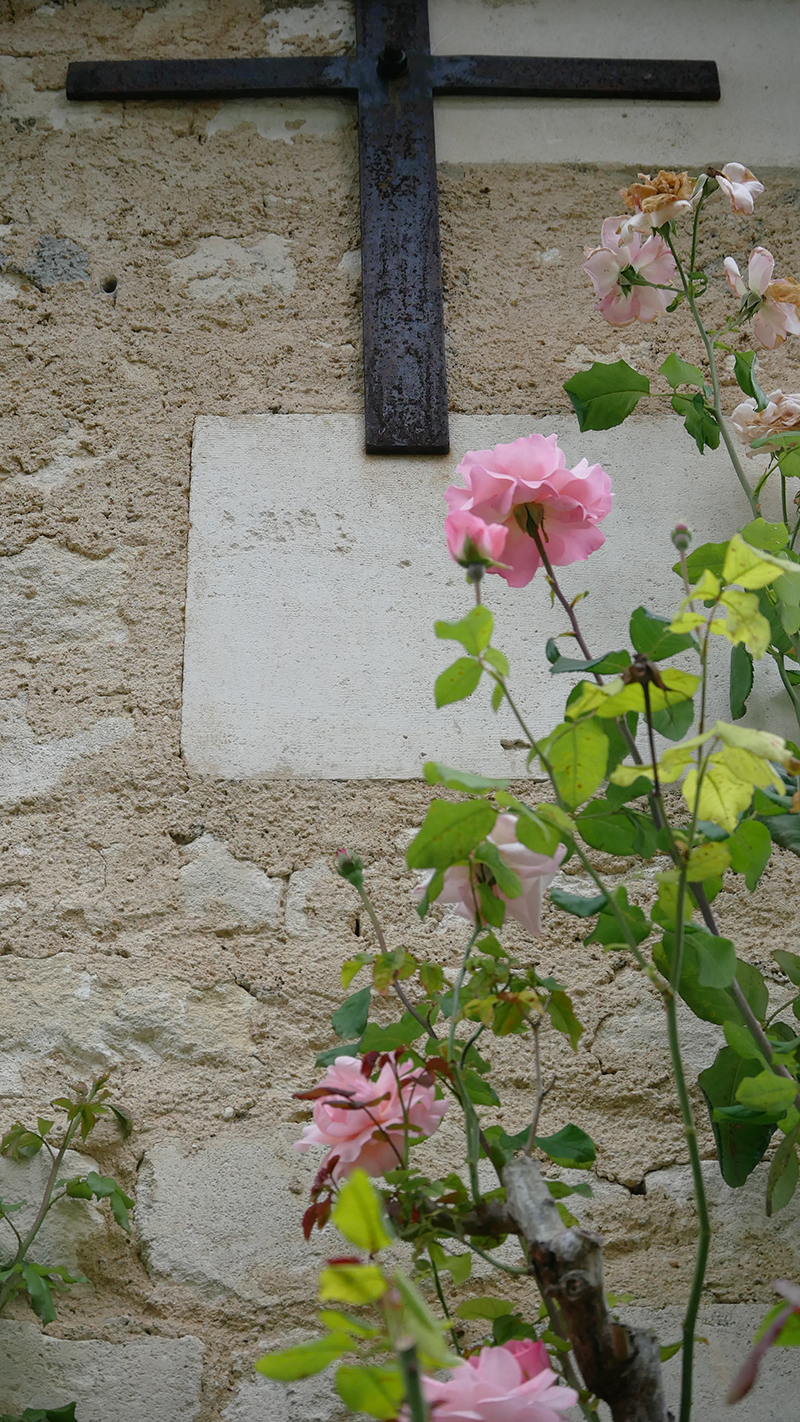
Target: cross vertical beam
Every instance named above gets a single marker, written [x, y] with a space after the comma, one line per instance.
[395, 78]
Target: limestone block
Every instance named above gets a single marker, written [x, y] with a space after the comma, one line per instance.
[20, 100]
[226, 892]
[225, 1219]
[635, 1039]
[757, 78]
[740, 1228]
[29, 767]
[50, 1008]
[310, 1400]
[316, 572]
[729, 1329]
[309, 889]
[68, 1226]
[49, 596]
[142, 1380]
[219, 268]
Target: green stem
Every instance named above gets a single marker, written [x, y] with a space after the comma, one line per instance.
[442, 1300]
[795, 532]
[709, 348]
[784, 507]
[790, 690]
[412, 1381]
[47, 1201]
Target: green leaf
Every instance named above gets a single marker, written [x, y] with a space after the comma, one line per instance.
[789, 963]
[617, 831]
[532, 830]
[716, 960]
[39, 1293]
[617, 795]
[437, 774]
[351, 1018]
[497, 697]
[497, 659]
[740, 1147]
[608, 665]
[710, 1004]
[743, 363]
[741, 680]
[44, 1128]
[474, 631]
[449, 833]
[674, 721]
[699, 420]
[304, 1359]
[431, 976]
[750, 847]
[783, 1173]
[577, 752]
[678, 372]
[376, 1391]
[457, 682]
[784, 830]
[708, 555]
[78, 1189]
[484, 1307]
[349, 1283]
[342, 1049]
[492, 908]
[706, 861]
[358, 1214]
[651, 636]
[769, 537]
[570, 1147]
[668, 1350]
[575, 903]
[609, 932]
[479, 1091]
[560, 1011]
[509, 1326]
[767, 1092]
[507, 881]
[606, 394]
[388, 1039]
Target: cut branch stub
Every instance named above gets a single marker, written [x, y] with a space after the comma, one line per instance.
[619, 1364]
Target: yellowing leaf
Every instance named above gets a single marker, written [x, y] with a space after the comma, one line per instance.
[351, 1283]
[358, 1214]
[707, 589]
[751, 569]
[723, 797]
[615, 698]
[708, 859]
[749, 768]
[744, 622]
[762, 743]
[628, 774]
[686, 621]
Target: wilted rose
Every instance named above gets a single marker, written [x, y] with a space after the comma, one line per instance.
[781, 416]
[774, 305]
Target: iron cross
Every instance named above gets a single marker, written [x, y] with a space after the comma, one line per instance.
[395, 79]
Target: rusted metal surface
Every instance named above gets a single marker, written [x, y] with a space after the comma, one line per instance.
[395, 78]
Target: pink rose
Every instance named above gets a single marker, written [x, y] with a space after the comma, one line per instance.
[775, 305]
[740, 186]
[529, 477]
[610, 267]
[536, 872]
[513, 1383]
[363, 1122]
[470, 540]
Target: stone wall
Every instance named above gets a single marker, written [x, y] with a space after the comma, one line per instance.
[161, 262]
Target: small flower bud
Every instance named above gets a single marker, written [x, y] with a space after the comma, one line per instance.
[681, 536]
[349, 867]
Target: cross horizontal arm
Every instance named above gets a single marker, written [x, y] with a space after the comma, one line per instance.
[210, 78]
[574, 78]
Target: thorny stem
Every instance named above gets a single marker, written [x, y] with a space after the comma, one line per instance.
[381, 937]
[565, 603]
[709, 348]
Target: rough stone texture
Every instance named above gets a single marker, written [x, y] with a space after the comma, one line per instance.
[29, 768]
[101, 393]
[56, 259]
[150, 1379]
[69, 1226]
[225, 892]
[313, 1398]
[220, 1219]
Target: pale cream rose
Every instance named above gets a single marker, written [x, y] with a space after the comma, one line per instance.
[781, 416]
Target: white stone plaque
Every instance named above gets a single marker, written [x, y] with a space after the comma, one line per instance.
[316, 573]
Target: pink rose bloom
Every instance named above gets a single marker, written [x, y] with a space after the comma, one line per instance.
[470, 540]
[777, 315]
[740, 186]
[536, 871]
[372, 1137]
[568, 503]
[619, 302]
[513, 1383]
